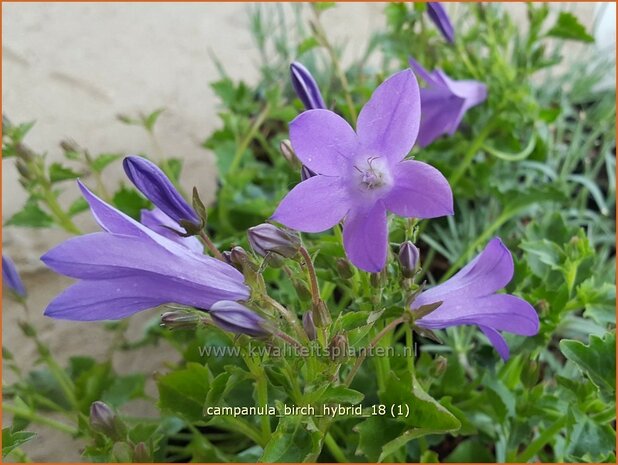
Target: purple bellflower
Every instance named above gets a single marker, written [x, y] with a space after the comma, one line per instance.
[305, 87]
[469, 298]
[10, 277]
[444, 102]
[438, 16]
[151, 181]
[159, 222]
[363, 174]
[129, 268]
[236, 318]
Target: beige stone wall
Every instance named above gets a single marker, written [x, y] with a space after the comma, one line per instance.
[72, 67]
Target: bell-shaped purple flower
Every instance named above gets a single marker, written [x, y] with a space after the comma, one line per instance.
[129, 268]
[11, 278]
[438, 16]
[361, 175]
[159, 222]
[444, 102]
[236, 318]
[469, 298]
[305, 87]
[151, 181]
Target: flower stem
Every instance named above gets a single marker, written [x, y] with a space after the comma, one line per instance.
[535, 446]
[359, 361]
[288, 315]
[334, 448]
[244, 143]
[62, 218]
[32, 416]
[211, 246]
[469, 155]
[313, 280]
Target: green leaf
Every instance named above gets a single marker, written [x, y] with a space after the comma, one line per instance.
[323, 6]
[307, 44]
[124, 388]
[101, 162]
[590, 441]
[568, 27]
[130, 202]
[373, 433]
[597, 360]
[59, 172]
[11, 439]
[341, 395]
[150, 120]
[184, 391]
[31, 216]
[292, 441]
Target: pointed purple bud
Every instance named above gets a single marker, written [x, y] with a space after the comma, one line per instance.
[265, 238]
[305, 87]
[309, 326]
[179, 319]
[103, 420]
[438, 16]
[156, 187]
[236, 318]
[408, 259]
[306, 173]
[10, 277]
[338, 348]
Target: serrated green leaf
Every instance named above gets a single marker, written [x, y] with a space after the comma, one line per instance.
[292, 441]
[597, 360]
[31, 216]
[59, 173]
[568, 27]
[373, 433]
[341, 395]
[183, 392]
[11, 439]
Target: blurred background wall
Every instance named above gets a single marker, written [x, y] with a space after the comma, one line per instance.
[73, 66]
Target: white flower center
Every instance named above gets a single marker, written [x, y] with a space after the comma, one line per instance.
[372, 174]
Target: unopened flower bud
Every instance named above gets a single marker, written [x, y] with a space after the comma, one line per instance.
[344, 268]
[338, 348]
[306, 173]
[10, 277]
[121, 452]
[141, 453]
[302, 290]
[408, 259]
[236, 318]
[309, 326]
[179, 319]
[238, 257]
[530, 374]
[103, 420]
[378, 279]
[285, 147]
[265, 238]
[305, 87]
[440, 364]
[321, 315]
[151, 181]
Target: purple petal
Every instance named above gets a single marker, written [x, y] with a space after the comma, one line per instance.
[502, 312]
[160, 223]
[419, 191]
[323, 141]
[388, 123]
[438, 16]
[473, 92]
[441, 114]
[108, 256]
[365, 237]
[314, 205]
[497, 341]
[236, 318]
[487, 273]
[432, 79]
[11, 278]
[119, 298]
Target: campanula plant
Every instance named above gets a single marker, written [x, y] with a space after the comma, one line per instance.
[409, 258]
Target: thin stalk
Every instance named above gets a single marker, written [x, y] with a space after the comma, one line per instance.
[211, 246]
[313, 280]
[540, 442]
[334, 448]
[288, 315]
[372, 344]
[469, 155]
[62, 218]
[35, 418]
[261, 387]
[244, 143]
